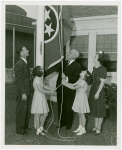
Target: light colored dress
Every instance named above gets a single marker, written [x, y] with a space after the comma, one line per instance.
[80, 104]
[39, 103]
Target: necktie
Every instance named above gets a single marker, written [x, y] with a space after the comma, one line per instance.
[68, 63]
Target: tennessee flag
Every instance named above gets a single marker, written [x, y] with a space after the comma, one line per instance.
[56, 20]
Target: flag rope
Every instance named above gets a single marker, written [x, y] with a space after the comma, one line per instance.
[52, 109]
[63, 138]
[61, 52]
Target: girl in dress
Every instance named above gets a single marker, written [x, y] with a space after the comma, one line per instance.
[39, 104]
[97, 93]
[80, 104]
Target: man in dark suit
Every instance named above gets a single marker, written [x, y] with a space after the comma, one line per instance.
[23, 99]
[71, 71]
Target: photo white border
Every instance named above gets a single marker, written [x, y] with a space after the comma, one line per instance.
[3, 3]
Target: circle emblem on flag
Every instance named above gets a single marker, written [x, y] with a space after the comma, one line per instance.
[51, 25]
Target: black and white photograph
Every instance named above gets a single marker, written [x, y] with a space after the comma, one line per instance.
[61, 64]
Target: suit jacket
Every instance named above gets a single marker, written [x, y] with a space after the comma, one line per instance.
[72, 72]
[22, 78]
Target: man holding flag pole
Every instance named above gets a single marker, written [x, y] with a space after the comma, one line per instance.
[57, 31]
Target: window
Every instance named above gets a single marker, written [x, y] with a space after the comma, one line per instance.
[81, 43]
[9, 49]
[108, 44]
[27, 40]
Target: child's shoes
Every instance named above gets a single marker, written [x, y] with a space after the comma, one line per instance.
[94, 129]
[98, 132]
[78, 129]
[39, 132]
[83, 131]
[45, 131]
[42, 133]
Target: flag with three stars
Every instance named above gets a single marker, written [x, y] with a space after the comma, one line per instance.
[55, 19]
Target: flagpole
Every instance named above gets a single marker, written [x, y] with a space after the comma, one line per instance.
[61, 39]
[61, 53]
[40, 36]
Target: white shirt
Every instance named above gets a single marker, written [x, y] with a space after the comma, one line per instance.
[70, 61]
[24, 60]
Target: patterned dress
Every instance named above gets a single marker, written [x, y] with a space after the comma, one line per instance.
[97, 107]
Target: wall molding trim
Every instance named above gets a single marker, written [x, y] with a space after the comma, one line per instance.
[94, 18]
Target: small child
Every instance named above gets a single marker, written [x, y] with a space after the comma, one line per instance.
[39, 104]
[81, 105]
